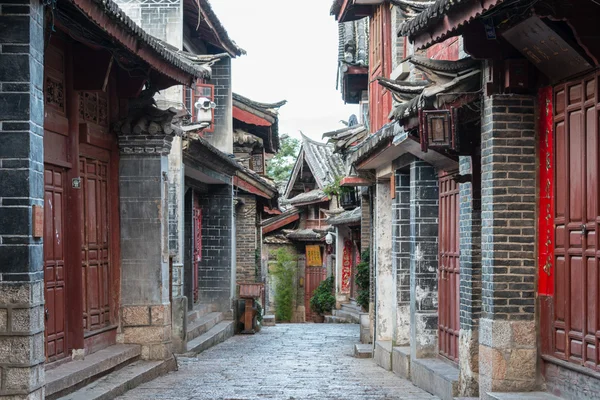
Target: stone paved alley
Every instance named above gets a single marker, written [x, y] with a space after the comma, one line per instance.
[289, 361]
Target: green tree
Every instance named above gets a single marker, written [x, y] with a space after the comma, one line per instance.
[363, 280]
[279, 168]
[285, 291]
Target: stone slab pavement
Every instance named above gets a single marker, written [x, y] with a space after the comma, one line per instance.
[287, 361]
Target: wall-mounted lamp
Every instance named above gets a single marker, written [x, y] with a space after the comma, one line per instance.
[329, 237]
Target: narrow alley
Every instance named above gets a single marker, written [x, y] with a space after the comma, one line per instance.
[287, 361]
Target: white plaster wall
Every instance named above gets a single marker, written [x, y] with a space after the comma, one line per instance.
[386, 281]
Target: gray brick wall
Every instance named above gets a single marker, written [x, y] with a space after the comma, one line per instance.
[22, 186]
[397, 41]
[162, 19]
[508, 208]
[424, 206]
[401, 256]
[246, 239]
[222, 136]
[470, 247]
[214, 270]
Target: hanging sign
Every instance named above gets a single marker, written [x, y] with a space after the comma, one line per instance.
[313, 256]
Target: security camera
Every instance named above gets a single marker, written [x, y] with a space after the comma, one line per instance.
[204, 107]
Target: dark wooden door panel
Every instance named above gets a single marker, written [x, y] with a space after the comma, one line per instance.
[449, 268]
[575, 324]
[54, 262]
[313, 277]
[95, 251]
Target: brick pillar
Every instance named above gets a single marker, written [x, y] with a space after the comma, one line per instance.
[143, 190]
[507, 351]
[385, 285]
[424, 205]
[470, 278]
[22, 187]
[401, 257]
[215, 274]
[246, 240]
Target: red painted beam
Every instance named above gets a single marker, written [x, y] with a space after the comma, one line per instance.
[281, 223]
[247, 186]
[354, 181]
[249, 118]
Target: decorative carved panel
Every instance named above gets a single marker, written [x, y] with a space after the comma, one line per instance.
[93, 107]
[55, 93]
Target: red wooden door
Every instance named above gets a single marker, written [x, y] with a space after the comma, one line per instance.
[313, 277]
[576, 329]
[95, 250]
[55, 269]
[197, 248]
[449, 266]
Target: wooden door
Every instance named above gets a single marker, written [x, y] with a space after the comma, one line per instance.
[576, 329]
[197, 248]
[313, 277]
[55, 268]
[449, 265]
[95, 250]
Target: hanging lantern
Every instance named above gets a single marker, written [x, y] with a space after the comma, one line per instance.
[437, 129]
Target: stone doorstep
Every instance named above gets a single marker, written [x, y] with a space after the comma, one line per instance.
[363, 350]
[435, 376]
[203, 324]
[383, 354]
[122, 380]
[74, 374]
[332, 319]
[401, 361]
[268, 320]
[352, 317]
[522, 396]
[352, 308]
[199, 311]
[217, 334]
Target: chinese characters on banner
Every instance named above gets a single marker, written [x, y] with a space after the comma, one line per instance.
[346, 266]
[546, 213]
[313, 256]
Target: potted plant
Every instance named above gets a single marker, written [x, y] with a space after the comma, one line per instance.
[322, 300]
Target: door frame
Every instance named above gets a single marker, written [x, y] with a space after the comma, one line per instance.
[448, 307]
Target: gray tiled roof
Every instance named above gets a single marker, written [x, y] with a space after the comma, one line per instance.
[323, 162]
[307, 197]
[347, 217]
[113, 11]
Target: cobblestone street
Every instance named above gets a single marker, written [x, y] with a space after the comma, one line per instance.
[289, 361]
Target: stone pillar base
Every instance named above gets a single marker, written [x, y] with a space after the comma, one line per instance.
[150, 327]
[468, 362]
[507, 357]
[423, 342]
[179, 323]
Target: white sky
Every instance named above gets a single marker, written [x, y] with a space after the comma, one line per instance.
[292, 55]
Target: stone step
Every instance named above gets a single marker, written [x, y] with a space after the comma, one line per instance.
[268, 320]
[350, 316]
[203, 324]
[435, 376]
[522, 396]
[122, 380]
[353, 308]
[383, 354]
[363, 350]
[70, 376]
[199, 311]
[401, 361]
[217, 334]
[332, 319]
